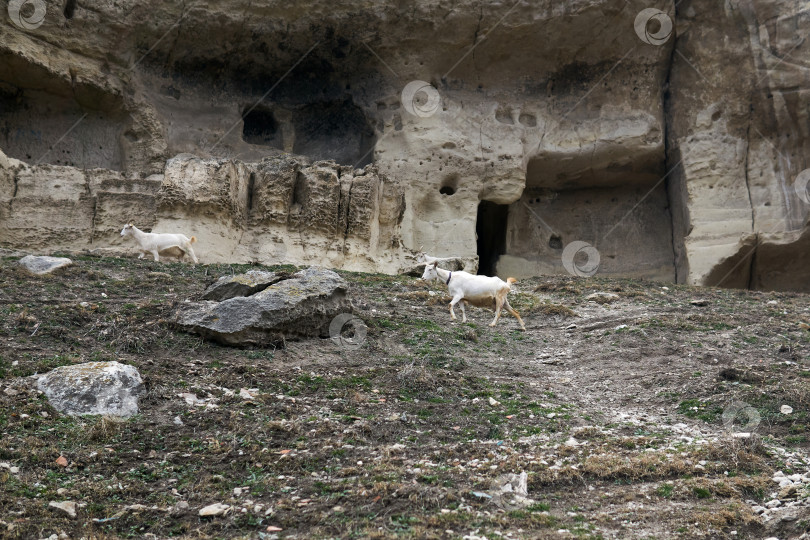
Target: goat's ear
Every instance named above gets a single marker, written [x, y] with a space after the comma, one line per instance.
[435, 264]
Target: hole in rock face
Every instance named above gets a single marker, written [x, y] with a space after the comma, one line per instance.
[335, 130]
[490, 230]
[555, 242]
[449, 185]
[261, 127]
[70, 8]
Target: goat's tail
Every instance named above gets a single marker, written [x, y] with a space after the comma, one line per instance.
[511, 280]
[193, 239]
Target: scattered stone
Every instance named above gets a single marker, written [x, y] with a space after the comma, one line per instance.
[246, 394]
[773, 503]
[61, 461]
[10, 468]
[494, 402]
[700, 302]
[602, 297]
[241, 285]
[180, 508]
[191, 399]
[302, 305]
[41, 265]
[786, 409]
[103, 388]
[788, 492]
[758, 509]
[216, 509]
[68, 507]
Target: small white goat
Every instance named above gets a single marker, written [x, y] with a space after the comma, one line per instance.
[456, 263]
[175, 245]
[480, 291]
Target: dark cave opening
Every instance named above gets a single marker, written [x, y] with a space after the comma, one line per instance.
[70, 9]
[337, 130]
[490, 232]
[261, 127]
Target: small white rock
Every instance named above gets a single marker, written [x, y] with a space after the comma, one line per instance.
[786, 409]
[68, 507]
[216, 509]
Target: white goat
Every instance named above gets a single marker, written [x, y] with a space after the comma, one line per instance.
[480, 291]
[175, 245]
[456, 263]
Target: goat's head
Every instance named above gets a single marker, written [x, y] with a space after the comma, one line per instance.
[420, 256]
[127, 229]
[430, 272]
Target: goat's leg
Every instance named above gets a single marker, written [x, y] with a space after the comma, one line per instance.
[513, 312]
[191, 254]
[498, 306]
[463, 311]
[142, 255]
[155, 255]
[456, 299]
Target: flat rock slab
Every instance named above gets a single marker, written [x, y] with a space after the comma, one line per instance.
[299, 306]
[106, 388]
[245, 284]
[41, 265]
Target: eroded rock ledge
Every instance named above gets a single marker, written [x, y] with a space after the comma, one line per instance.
[556, 123]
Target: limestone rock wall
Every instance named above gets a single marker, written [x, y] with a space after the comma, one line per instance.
[291, 132]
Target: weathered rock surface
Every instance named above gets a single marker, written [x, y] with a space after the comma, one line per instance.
[678, 157]
[105, 388]
[245, 284]
[41, 265]
[302, 305]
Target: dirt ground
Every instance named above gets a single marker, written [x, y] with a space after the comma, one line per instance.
[612, 405]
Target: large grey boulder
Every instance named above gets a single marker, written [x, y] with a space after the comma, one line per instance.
[302, 305]
[246, 284]
[105, 388]
[40, 265]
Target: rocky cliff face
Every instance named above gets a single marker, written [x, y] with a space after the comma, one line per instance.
[670, 138]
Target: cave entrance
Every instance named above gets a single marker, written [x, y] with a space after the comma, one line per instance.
[261, 127]
[490, 230]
